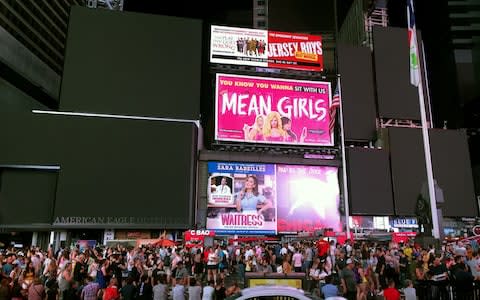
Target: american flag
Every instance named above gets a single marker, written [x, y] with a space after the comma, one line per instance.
[334, 106]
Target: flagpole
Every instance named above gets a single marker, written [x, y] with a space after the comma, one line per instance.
[428, 162]
[425, 136]
[344, 161]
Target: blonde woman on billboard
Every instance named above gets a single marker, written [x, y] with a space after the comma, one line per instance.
[273, 129]
[249, 197]
[254, 132]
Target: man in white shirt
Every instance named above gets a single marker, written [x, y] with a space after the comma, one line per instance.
[223, 188]
[178, 291]
[208, 291]
[284, 250]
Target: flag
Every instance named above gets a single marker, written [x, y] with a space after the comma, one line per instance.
[412, 42]
[333, 107]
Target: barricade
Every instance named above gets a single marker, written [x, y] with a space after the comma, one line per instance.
[431, 290]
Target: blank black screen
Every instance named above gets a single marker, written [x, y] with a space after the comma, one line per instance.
[369, 181]
[132, 64]
[397, 98]
[453, 172]
[127, 168]
[409, 172]
[26, 196]
[358, 95]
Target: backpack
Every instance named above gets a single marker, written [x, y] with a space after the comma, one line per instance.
[167, 261]
[224, 259]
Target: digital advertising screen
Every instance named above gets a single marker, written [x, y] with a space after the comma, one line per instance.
[263, 48]
[272, 110]
[307, 198]
[257, 198]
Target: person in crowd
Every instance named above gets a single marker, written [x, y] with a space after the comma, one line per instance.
[329, 289]
[409, 291]
[178, 292]
[194, 290]
[220, 291]
[233, 290]
[91, 289]
[28, 274]
[208, 292]
[111, 292]
[145, 288]
[17, 293]
[212, 264]
[314, 275]
[263, 266]
[4, 289]
[181, 273]
[391, 293]
[198, 266]
[463, 282]
[128, 291]
[439, 275]
[297, 260]
[348, 282]
[160, 288]
[286, 266]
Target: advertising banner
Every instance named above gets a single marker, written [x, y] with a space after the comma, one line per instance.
[307, 198]
[252, 210]
[274, 111]
[270, 198]
[262, 48]
[294, 51]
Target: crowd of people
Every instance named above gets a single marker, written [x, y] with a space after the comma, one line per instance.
[353, 270]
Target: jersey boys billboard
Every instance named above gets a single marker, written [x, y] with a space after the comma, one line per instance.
[275, 111]
[268, 198]
[262, 48]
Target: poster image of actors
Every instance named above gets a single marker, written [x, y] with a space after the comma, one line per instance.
[251, 47]
[221, 190]
[240, 46]
[252, 206]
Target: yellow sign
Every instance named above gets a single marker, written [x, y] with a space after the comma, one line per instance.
[293, 282]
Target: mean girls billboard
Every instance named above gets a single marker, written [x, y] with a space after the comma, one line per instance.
[255, 198]
[274, 111]
[262, 48]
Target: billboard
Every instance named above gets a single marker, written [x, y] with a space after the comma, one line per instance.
[262, 48]
[272, 110]
[307, 198]
[269, 198]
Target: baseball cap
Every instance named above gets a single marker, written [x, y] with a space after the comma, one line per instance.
[349, 261]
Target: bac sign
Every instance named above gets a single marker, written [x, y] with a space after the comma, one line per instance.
[201, 232]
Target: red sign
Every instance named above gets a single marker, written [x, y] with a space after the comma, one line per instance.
[197, 235]
[403, 237]
[295, 51]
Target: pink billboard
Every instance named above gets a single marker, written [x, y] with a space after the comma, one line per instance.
[272, 110]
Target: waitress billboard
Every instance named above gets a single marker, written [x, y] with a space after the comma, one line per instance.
[271, 198]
